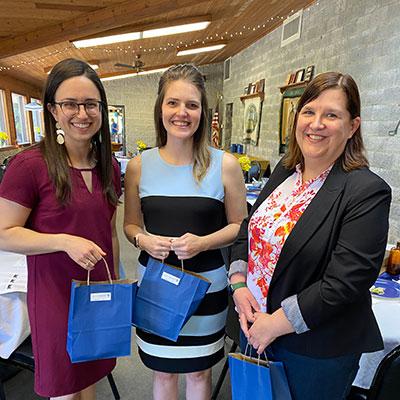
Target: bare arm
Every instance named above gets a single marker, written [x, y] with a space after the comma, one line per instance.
[156, 246]
[18, 239]
[189, 245]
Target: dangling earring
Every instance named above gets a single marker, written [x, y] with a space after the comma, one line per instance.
[60, 134]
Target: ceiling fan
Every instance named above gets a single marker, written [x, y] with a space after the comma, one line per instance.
[137, 65]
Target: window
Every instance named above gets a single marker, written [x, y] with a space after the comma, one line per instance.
[37, 118]
[4, 136]
[20, 118]
[227, 69]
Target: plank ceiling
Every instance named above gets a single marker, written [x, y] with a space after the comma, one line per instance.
[34, 35]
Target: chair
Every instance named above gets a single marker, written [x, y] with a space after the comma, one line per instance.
[3, 166]
[386, 382]
[232, 330]
[22, 358]
[254, 172]
[267, 172]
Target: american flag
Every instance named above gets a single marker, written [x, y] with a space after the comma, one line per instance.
[215, 130]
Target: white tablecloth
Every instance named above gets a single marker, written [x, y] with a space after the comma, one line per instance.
[387, 314]
[14, 323]
[123, 161]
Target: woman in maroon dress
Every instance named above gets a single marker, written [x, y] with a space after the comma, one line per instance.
[57, 205]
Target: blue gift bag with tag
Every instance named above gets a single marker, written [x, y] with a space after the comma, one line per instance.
[99, 319]
[255, 379]
[166, 298]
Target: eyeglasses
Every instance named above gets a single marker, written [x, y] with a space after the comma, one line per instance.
[71, 108]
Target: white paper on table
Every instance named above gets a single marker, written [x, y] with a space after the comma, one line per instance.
[13, 273]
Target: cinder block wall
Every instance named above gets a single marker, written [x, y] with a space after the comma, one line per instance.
[359, 37]
[138, 95]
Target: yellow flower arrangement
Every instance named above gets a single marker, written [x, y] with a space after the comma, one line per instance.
[244, 162]
[140, 145]
[3, 138]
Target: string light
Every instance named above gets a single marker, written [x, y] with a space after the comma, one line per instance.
[128, 49]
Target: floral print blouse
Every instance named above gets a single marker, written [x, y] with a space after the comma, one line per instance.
[271, 224]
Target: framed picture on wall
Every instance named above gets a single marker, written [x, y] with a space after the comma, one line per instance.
[290, 99]
[299, 75]
[289, 106]
[252, 118]
[309, 73]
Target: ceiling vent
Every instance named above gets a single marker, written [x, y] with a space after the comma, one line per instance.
[291, 28]
[227, 69]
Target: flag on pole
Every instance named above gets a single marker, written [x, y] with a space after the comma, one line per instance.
[215, 130]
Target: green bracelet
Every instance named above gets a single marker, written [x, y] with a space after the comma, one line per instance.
[238, 285]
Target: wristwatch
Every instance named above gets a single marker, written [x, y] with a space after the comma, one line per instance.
[136, 241]
[238, 285]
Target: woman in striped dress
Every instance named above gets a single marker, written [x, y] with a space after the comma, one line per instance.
[184, 201]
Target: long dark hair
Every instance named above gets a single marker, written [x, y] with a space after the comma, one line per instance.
[201, 152]
[353, 156]
[56, 155]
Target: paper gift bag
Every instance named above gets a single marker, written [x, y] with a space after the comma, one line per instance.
[99, 320]
[166, 298]
[255, 379]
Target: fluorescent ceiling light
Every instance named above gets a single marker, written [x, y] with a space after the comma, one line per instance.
[151, 33]
[200, 50]
[133, 74]
[173, 30]
[125, 37]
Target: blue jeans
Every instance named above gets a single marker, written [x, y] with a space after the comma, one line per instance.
[313, 378]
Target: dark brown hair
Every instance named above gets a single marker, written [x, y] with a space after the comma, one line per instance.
[201, 152]
[55, 155]
[353, 156]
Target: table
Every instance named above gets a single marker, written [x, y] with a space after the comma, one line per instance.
[387, 314]
[13, 310]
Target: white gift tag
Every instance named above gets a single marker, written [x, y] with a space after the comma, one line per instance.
[101, 296]
[170, 278]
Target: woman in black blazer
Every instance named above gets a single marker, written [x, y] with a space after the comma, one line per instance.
[312, 246]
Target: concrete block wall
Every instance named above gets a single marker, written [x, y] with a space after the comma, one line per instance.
[138, 94]
[359, 37]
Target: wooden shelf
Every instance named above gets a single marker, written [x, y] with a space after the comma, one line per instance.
[252, 95]
[294, 85]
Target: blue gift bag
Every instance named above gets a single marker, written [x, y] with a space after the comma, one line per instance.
[99, 319]
[166, 298]
[255, 379]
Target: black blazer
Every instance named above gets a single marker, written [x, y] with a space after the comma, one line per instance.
[330, 260]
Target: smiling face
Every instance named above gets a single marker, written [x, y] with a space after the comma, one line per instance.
[181, 110]
[323, 127]
[80, 127]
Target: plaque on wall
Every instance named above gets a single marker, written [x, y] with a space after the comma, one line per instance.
[252, 118]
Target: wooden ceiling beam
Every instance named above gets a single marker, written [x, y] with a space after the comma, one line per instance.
[91, 23]
[65, 7]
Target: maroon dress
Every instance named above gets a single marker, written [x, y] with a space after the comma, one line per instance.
[88, 215]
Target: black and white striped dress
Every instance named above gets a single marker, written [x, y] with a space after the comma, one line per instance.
[174, 204]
